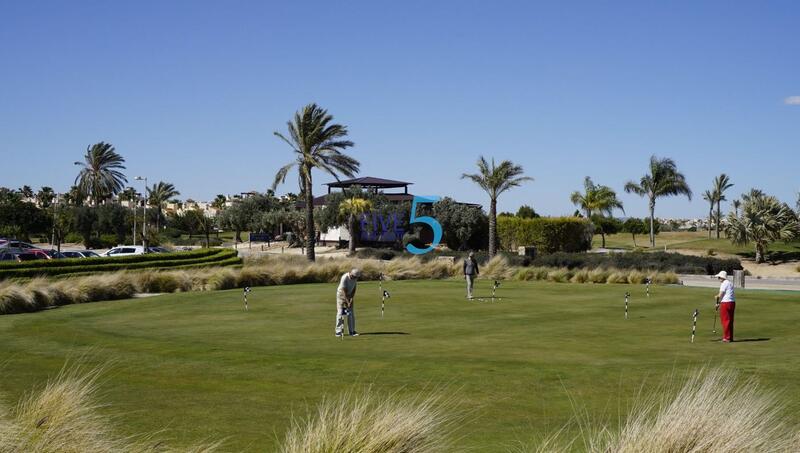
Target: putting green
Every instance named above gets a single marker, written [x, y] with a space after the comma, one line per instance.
[199, 366]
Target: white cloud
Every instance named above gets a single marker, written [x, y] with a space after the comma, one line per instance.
[792, 100]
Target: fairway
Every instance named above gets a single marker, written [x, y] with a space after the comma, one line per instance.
[199, 366]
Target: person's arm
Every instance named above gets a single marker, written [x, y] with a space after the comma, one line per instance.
[465, 267]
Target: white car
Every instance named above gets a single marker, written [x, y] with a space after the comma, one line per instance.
[125, 250]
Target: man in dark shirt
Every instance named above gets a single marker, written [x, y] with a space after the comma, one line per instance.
[470, 272]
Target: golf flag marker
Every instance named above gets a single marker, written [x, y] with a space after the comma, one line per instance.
[246, 292]
[694, 322]
[627, 295]
[648, 286]
[384, 296]
[494, 288]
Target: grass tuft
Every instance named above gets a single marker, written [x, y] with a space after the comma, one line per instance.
[366, 423]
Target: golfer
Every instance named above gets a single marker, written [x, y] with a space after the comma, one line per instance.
[344, 303]
[470, 272]
[726, 304]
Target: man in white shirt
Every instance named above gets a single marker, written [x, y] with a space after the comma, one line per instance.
[726, 304]
[344, 303]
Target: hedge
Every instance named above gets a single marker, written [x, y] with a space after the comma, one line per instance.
[221, 257]
[64, 262]
[643, 261]
[547, 234]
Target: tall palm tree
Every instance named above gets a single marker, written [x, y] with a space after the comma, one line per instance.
[351, 208]
[160, 193]
[317, 143]
[495, 180]
[736, 203]
[26, 191]
[663, 180]
[721, 184]
[219, 201]
[711, 197]
[45, 197]
[100, 177]
[601, 200]
[764, 219]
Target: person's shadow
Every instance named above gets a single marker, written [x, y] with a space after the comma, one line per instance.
[384, 333]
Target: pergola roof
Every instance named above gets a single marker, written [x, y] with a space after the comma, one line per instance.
[369, 181]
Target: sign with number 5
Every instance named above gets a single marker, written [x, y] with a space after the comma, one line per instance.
[430, 221]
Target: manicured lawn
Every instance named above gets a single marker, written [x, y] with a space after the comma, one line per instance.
[688, 240]
[199, 366]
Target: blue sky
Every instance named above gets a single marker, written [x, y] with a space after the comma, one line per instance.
[190, 92]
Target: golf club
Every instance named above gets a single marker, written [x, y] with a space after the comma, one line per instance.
[246, 291]
[694, 322]
[627, 295]
[716, 313]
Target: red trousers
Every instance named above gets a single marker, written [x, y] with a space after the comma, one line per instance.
[726, 310]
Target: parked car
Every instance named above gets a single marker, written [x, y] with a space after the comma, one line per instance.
[52, 253]
[157, 250]
[32, 255]
[15, 246]
[125, 250]
[80, 254]
[6, 256]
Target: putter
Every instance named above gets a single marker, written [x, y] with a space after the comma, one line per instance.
[627, 295]
[694, 322]
[716, 313]
[246, 291]
[342, 315]
[383, 300]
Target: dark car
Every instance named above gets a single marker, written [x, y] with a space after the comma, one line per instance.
[80, 254]
[32, 256]
[54, 254]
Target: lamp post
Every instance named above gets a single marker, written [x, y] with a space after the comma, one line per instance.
[55, 212]
[144, 223]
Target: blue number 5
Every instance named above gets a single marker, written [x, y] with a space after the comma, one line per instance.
[430, 221]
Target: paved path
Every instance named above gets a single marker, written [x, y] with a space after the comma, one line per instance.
[704, 281]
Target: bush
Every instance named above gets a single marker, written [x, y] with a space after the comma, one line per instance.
[548, 234]
[380, 254]
[642, 261]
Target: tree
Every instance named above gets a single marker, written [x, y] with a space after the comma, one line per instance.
[246, 214]
[495, 180]
[351, 208]
[100, 176]
[45, 197]
[20, 218]
[721, 184]
[606, 225]
[464, 226]
[159, 194]
[219, 201]
[596, 200]
[527, 212]
[26, 192]
[711, 197]
[112, 218]
[85, 223]
[663, 180]
[202, 223]
[764, 219]
[737, 203]
[634, 226]
[317, 143]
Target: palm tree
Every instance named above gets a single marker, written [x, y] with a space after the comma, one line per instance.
[764, 220]
[663, 180]
[495, 180]
[352, 208]
[736, 204]
[219, 201]
[721, 184]
[100, 176]
[317, 143]
[26, 191]
[159, 194]
[45, 197]
[596, 199]
[711, 197]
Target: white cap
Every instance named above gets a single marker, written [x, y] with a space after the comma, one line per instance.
[355, 273]
[723, 275]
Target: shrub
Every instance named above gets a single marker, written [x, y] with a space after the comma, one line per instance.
[548, 234]
[642, 261]
[366, 423]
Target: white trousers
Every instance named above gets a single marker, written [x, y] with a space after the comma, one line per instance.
[351, 317]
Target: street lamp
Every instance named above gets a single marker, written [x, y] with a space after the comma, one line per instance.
[144, 223]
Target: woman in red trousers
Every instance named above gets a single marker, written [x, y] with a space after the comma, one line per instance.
[726, 304]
